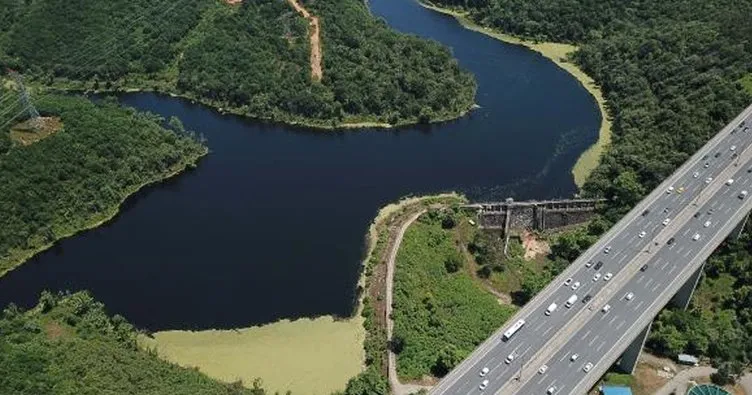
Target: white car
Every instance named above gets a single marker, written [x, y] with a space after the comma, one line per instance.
[574, 357]
[596, 276]
[607, 276]
[743, 194]
[730, 181]
[670, 189]
[569, 281]
[575, 285]
[589, 263]
[696, 237]
[706, 224]
[696, 174]
[629, 296]
[642, 234]
[666, 221]
[483, 385]
[708, 180]
[587, 367]
[607, 249]
[606, 308]
[706, 165]
[509, 359]
[551, 390]
[733, 148]
[483, 372]
[542, 369]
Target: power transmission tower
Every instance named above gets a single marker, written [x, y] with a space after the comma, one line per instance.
[34, 121]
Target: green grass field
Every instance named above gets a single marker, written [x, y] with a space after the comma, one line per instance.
[440, 316]
[746, 82]
[311, 357]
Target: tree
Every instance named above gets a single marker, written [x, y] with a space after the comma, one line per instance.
[448, 358]
[453, 263]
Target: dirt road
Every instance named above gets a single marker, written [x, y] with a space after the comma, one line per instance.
[315, 36]
[397, 387]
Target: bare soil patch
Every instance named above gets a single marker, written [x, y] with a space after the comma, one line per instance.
[534, 246]
[54, 330]
[25, 134]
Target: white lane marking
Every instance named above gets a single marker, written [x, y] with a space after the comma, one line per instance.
[672, 269]
[680, 249]
[650, 281]
[612, 320]
[657, 285]
[538, 326]
[686, 254]
[622, 259]
[586, 334]
[601, 346]
[639, 279]
[637, 307]
[686, 232]
[590, 343]
[547, 330]
[621, 323]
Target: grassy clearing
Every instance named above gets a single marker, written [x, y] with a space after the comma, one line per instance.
[712, 292]
[746, 82]
[558, 53]
[440, 312]
[24, 133]
[314, 357]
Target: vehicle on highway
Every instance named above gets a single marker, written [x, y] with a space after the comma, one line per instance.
[607, 249]
[589, 263]
[568, 281]
[730, 181]
[598, 265]
[606, 308]
[666, 221]
[695, 174]
[586, 298]
[680, 190]
[706, 165]
[706, 224]
[717, 154]
[749, 170]
[629, 296]
[746, 129]
[542, 369]
[734, 155]
[708, 180]
[483, 372]
[483, 385]
[670, 241]
[696, 237]
[743, 195]
[670, 189]
[698, 214]
[646, 212]
[596, 276]
[509, 359]
[551, 308]
[574, 357]
[587, 367]
[644, 267]
[512, 330]
[732, 148]
[665, 210]
[607, 276]
[705, 157]
[575, 285]
[642, 234]
[551, 390]
[570, 301]
[710, 211]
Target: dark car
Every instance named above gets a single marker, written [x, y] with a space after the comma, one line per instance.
[644, 267]
[598, 265]
[717, 154]
[697, 214]
[646, 212]
[670, 241]
[586, 298]
[705, 157]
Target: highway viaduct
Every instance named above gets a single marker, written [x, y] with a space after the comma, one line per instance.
[653, 256]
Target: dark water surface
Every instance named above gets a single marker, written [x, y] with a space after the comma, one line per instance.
[271, 224]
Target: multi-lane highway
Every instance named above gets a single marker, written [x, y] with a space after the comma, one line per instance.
[669, 234]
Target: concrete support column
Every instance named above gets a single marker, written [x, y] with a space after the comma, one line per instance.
[737, 232]
[684, 295]
[631, 355]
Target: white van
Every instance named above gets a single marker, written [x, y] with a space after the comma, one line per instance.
[551, 308]
[571, 301]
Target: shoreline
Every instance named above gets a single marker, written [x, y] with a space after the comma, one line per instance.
[15, 260]
[319, 125]
[556, 52]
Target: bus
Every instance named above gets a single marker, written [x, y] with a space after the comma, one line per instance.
[511, 331]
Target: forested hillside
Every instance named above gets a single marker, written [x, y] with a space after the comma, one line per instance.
[78, 176]
[69, 345]
[251, 58]
[673, 73]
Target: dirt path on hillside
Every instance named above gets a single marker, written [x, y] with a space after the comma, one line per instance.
[314, 31]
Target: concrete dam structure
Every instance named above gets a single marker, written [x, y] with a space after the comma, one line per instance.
[514, 217]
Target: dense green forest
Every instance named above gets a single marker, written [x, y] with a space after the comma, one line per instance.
[68, 345]
[79, 175]
[252, 59]
[673, 73]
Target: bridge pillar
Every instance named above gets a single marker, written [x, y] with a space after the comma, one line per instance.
[631, 355]
[684, 295]
[737, 232]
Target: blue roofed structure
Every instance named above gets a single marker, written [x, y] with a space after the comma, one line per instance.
[615, 390]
